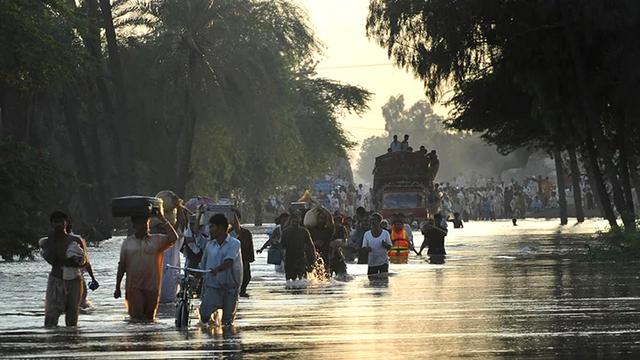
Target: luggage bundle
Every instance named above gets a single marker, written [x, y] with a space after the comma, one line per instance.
[136, 206]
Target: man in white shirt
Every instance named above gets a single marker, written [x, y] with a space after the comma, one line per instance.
[377, 242]
[223, 258]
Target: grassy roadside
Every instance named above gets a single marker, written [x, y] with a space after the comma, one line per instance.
[615, 245]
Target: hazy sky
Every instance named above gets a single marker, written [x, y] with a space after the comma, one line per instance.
[340, 25]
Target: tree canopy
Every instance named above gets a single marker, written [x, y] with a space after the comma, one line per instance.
[554, 75]
[197, 96]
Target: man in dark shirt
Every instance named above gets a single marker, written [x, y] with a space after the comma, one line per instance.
[246, 247]
[63, 296]
[300, 252]
[434, 235]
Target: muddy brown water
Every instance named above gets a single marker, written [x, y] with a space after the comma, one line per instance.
[504, 291]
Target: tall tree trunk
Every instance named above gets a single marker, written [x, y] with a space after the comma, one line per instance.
[115, 64]
[625, 178]
[124, 142]
[592, 116]
[633, 174]
[600, 188]
[92, 201]
[90, 163]
[575, 179]
[256, 202]
[618, 196]
[188, 131]
[562, 197]
[2, 90]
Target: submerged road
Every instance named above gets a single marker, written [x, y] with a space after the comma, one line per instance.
[504, 291]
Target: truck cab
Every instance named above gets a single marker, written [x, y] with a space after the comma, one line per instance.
[402, 182]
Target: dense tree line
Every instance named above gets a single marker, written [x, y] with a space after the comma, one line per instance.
[556, 75]
[126, 97]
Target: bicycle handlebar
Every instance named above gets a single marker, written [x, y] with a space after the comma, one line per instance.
[187, 269]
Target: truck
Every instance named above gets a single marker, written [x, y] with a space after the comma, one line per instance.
[402, 182]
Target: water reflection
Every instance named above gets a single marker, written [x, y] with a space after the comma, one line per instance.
[501, 291]
[379, 282]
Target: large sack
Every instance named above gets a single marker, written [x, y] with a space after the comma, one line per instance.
[318, 216]
[170, 203]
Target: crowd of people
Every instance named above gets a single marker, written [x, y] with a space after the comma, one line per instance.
[340, 198]
[224, 250]
[366, 238]
[490, 198]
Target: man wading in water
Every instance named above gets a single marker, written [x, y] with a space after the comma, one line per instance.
[141, 257]
[66, 255]
[223, 258]
[377, 242]
[246, 244]
[300, 253]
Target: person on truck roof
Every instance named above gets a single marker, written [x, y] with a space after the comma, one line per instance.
[395, 144]
[404, 145]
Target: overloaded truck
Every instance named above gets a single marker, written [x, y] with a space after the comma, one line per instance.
[402, 182]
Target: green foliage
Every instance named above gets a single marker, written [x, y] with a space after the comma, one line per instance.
[553, 75]
[37, 46]
[515, 67]
[243, 68]
[218, 97]
[615, 244]
[26, 176]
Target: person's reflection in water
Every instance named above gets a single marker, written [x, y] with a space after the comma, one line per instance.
[376, 281]
[380, 283]
[439, 275]
[437, 259]
[225, 339]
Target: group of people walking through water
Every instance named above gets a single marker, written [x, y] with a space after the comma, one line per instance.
[329, 244]
[311, 241]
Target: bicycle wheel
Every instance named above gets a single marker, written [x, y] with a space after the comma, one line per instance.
[182, 314]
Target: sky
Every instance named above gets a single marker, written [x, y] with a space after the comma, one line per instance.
[349, 56]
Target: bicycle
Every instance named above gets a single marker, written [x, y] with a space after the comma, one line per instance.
[188, 285]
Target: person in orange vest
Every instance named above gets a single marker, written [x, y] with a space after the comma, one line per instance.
[402, 240]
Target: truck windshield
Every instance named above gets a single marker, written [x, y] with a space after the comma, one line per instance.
[404, 200]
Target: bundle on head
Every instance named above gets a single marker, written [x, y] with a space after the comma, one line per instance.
[170, 204]
[318, 216]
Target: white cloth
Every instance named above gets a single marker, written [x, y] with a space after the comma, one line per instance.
[169, 286]
[378, 254]
[74, 251]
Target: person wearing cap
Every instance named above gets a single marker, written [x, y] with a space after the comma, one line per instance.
[66, 255]
[246, 245]
[385, 224]
[141, 257]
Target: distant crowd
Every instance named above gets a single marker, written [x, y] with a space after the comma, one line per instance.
[489, 198]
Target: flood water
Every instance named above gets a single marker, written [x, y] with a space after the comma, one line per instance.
[504, 291]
